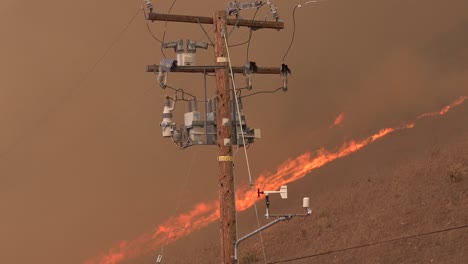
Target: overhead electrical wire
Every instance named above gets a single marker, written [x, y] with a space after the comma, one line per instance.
[242, 43]
[293, 33]
[262, 92]
[183, 92]
[165, 25]
[204, 31]
[148, 27]
[250, 31]
[370, 244]
[78, 85]
[294, 24]
[165, 28]
[183, 189]
[234, 27]
[113, 43]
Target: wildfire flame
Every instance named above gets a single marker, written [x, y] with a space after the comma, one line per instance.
[446, 108]
[204, 214]
[338, 120]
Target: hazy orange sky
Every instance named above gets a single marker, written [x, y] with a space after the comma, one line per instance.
[82, 161]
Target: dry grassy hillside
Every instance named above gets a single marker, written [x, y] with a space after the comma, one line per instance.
[420, 196]
[410, 184]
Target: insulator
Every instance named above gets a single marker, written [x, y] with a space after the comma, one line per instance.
[167, 102]
[149, 5]
[162, 79]
[284, 78]
[192, 105]
[248, 81]
[274, 11]
[166, 124]
[233, 8]
[234, 12]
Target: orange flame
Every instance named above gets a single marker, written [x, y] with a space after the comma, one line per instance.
[446, 108]
[172, 229]
[338, 120]
[204, 214]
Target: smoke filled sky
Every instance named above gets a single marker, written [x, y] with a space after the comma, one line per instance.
[82, 161]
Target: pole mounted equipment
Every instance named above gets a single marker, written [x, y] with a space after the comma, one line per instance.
[273, 10]
[177, 45]
[185, 57]
[165, 66]
[167, 125]
[220, 126]
[283, 192]
[249, 67]
[235, 7]
[193, 45]
[285, 71]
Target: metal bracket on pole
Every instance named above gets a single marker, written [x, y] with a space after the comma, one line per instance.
[277, 220]
[279, 217]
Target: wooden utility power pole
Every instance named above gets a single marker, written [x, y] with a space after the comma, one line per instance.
[227, 202]
[224, 123]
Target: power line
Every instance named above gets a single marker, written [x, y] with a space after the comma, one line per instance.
[250, 34]
[183, 189]
[242, 43]
[149, 29]
[162, 41]
[294, 32]
[113, 44]
[70, 94]
[234, 27]
[204, 31]
[294, 24]
[182, 91]
[371, 244]
[165, 27]
[262, 92]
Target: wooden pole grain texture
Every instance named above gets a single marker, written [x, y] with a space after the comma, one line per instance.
[227, 202]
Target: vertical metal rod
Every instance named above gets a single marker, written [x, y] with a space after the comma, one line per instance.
[234, 116]
[206, 109]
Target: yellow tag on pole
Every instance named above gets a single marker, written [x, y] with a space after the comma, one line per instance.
[224, 158]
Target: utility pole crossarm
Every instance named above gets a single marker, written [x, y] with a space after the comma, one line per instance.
[212, 69]
[209, 20]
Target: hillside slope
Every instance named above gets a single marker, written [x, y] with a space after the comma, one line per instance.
[411, 183]
[420, 196]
